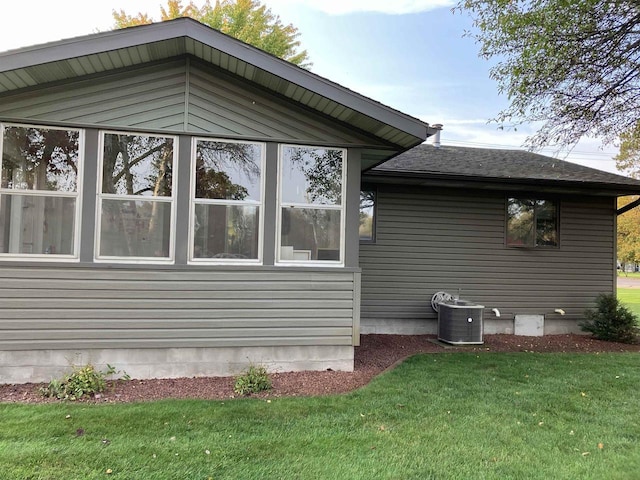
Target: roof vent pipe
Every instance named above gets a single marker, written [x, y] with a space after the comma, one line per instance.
[436, 137]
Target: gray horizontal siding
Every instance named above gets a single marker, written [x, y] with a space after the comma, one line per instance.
[220, 104]
[430, 240]
[135, 99]
[177, 96]
[82, 308]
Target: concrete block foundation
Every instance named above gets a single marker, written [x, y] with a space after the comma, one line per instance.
[45, 365]
[525, 325]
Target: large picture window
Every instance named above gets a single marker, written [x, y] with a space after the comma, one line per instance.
[39, 191]
[136, 192]
[532, 223]
[311, 204]
[227, 201]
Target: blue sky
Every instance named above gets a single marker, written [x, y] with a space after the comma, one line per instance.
[408, 54]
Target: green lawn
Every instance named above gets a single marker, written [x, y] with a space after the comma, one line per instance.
[629, 274]
[631, 299]
[444, 416]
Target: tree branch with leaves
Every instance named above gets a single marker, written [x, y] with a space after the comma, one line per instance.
[246, 20]
[573, 66]
[628, 242]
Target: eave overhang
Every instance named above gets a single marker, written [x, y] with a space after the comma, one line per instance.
[102, 52]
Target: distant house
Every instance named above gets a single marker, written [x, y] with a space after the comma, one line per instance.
[175, 202]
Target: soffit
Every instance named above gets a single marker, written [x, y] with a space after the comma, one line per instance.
[92, 54]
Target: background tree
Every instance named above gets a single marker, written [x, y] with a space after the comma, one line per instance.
[628, 159]
[572, 65]
[628, 233]
[246, 20]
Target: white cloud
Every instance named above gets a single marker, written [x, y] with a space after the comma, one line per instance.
[469, 121]
[477, 133]
[33, 22]
[342, 7]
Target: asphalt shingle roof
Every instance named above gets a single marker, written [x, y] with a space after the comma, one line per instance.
[496, 164]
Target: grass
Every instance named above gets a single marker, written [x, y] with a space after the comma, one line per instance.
[631, 299]
[444, 416]
[628, 274]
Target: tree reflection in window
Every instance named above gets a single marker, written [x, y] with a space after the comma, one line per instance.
[39, 190]
[532, 223]
[311, 181]
[367, 216]
[137, 165]
[313, 175]
[227, 203]
[35, 158]
[136, 196]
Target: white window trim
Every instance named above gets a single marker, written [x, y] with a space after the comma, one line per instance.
[205, 201]
[109, 196]
[310, 206]
[75, 256]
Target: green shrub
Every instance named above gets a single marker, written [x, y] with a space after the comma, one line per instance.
[255, 379]
[611, 320]
[81, 382]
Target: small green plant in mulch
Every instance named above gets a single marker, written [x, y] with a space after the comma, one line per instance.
[611, 321]
[254, 379]
[82, 382]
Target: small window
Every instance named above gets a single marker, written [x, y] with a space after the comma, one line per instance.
[532, 223]
[227, 201]
[135, 201]
[311, 208]
[39, 192]
[367, 216]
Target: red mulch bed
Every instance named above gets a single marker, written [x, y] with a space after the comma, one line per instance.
[376, 354]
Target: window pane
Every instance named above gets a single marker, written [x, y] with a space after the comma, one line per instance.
[137, 165]
[311, 175]
[135, 228]
[36, 158]
[520, 230]
[226, 231]
[310, 234]
[229, 171]
[546, 223]
[367, 212]
[31, 224]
